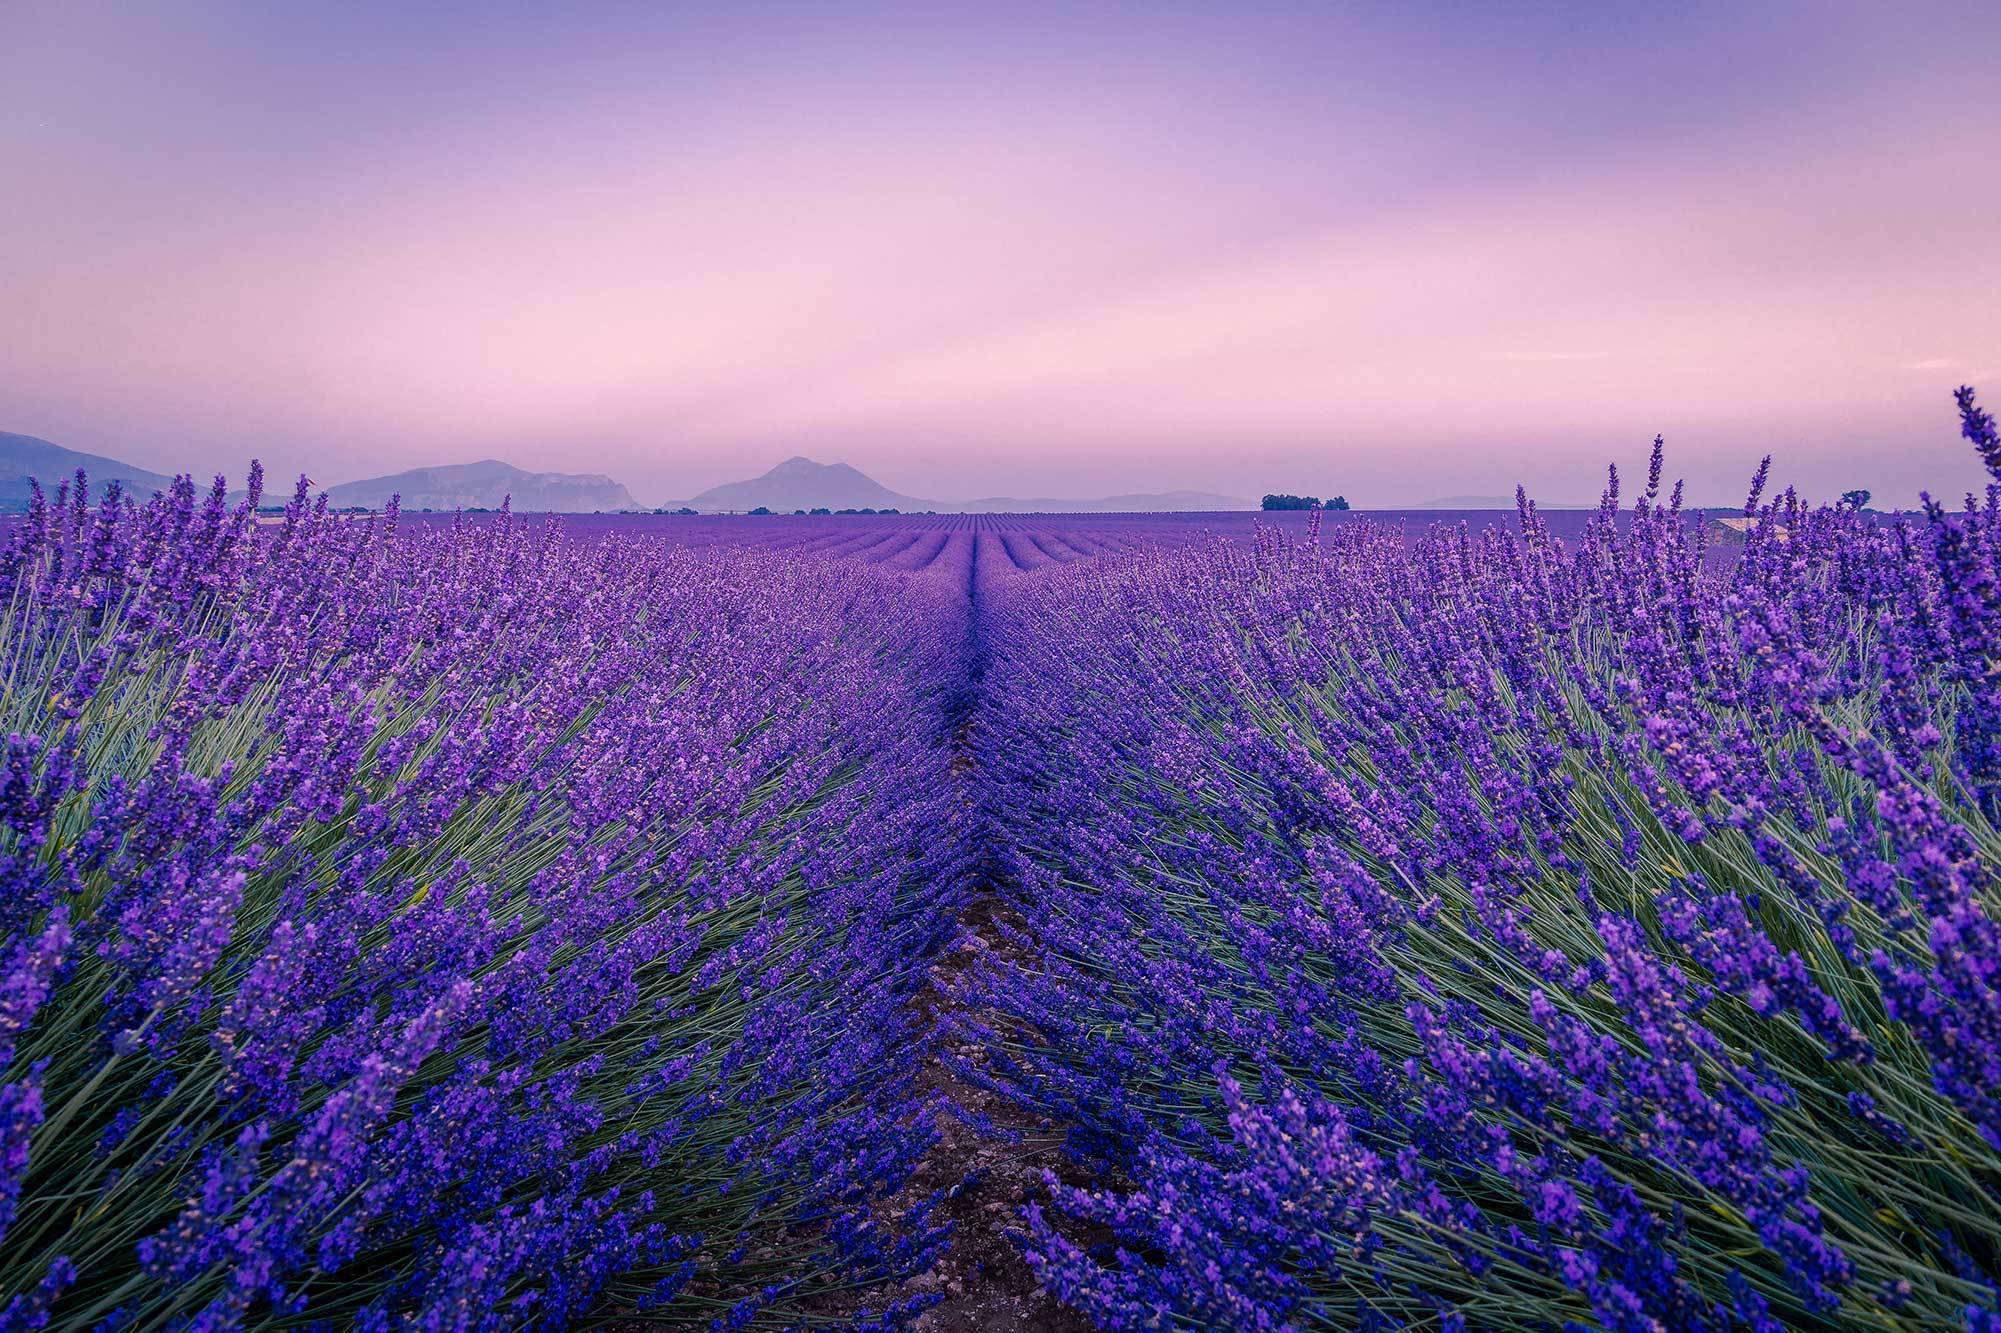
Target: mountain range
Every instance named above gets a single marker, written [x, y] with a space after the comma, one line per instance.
[801, 483]
[796, 483]
[23, 457]
[484, 485]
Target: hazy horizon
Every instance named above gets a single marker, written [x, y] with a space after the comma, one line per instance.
[1390, 253]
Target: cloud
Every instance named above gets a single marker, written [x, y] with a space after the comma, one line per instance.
[1719, 310]
[1935, 363]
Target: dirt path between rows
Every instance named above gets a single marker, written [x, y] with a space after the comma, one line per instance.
[985, 1284]
[981, 1281]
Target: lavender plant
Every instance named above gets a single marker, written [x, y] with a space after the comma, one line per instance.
[1488, 930]
[466, 928]
[477, 925]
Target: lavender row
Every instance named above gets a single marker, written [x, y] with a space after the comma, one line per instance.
[1027, 542]
[460, 928]
[1491, 930]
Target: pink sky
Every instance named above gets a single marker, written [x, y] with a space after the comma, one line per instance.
[1398, 254]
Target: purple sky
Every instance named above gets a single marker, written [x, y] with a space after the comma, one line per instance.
[1393, 251]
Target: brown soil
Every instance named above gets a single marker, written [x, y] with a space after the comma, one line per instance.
[987, 1286]
[985, 1283]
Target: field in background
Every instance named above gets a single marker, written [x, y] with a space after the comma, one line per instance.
[1031, 541]
[1198, 921]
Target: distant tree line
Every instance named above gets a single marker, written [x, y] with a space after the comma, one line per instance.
[1303, 502]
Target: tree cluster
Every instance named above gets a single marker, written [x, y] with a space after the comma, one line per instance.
[1302, 502]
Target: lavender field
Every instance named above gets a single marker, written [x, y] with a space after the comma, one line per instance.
[1530, 921]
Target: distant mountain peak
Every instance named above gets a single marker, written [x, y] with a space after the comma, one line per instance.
[484, 485]
[801, 467]
[802, 483]
[27, 456]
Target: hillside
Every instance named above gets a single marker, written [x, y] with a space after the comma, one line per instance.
[23, 457]
[801, 483]
[484, 485]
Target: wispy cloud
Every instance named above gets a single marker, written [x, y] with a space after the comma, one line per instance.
[1935, 363]
[1504, 300]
